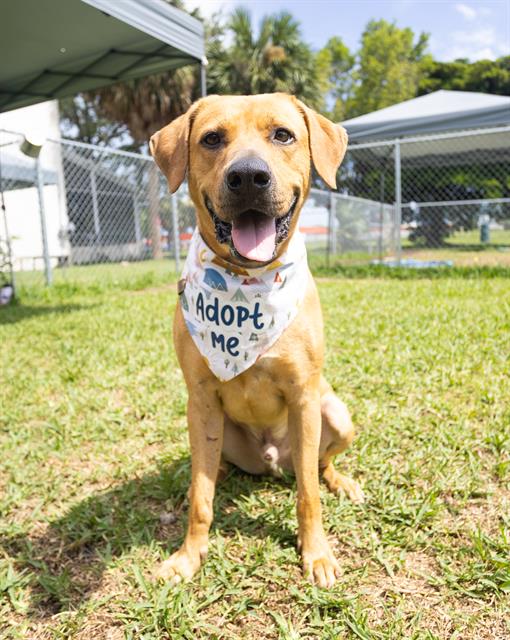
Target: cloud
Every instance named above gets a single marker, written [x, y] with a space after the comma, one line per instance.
[476, 44]
[466, 12]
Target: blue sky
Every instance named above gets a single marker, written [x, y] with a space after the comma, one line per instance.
[474, 30]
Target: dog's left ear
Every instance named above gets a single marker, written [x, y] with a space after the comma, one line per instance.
[169, 148]
[328, 144]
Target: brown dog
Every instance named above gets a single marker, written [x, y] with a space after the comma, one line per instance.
[248, 161]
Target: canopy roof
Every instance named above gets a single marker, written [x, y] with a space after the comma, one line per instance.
[56, 48]
[433, 113]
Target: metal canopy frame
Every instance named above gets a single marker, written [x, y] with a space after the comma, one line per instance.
[70, 46]
[161, 53]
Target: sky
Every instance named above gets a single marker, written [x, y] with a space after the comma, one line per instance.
[474, 29]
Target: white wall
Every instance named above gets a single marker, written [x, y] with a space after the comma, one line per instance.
[42, 121]
[24, 223]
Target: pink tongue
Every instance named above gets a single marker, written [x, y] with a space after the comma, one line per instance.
[254, 236]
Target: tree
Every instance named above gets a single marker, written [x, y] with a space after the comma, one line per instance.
[335, 63]
[390, 66]
[79, 120]
[486, 76]
[273, 59]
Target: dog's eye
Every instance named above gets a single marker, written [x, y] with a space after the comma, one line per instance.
[283, 135]
[211, 139]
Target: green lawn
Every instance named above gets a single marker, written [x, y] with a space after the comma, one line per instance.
[498, 237]
[94, 452]
[130, 275]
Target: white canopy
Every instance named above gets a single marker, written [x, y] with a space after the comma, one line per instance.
[57, 48]
[433, 113]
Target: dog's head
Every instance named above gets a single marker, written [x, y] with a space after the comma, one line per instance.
[248, 160]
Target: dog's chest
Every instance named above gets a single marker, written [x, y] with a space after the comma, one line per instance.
[253, 399]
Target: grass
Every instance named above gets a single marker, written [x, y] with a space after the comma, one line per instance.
[95, 468]
[496, 236]
[464, 249]
[96, 277]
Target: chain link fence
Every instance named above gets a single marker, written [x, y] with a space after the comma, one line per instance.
[80, 212]
[450, 193]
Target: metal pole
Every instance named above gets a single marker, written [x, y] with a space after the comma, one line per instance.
[381, 211]
[332, 244]
[44, 231]
[136, 216]
[7, 236]
[175, 224]
[95, 206]
[8, 244]
[398, 201]
[203, 79]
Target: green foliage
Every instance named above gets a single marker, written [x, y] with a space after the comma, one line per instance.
[274, 58]
[391, 65]
[486, 76]
[81, 120]
[335, 63]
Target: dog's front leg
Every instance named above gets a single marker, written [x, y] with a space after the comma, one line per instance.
[205, 424]
[319, 563]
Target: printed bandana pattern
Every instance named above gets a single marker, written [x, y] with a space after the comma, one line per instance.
[233, 318]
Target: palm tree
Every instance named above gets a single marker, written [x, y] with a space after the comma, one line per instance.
[274, 59]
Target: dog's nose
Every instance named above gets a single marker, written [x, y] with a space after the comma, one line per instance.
[248, 175]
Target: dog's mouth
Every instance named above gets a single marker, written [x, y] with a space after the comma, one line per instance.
[253, 235]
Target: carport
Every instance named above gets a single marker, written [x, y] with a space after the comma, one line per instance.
[57, 48]
[426, 136]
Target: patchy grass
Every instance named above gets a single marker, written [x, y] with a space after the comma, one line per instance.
[95, 469]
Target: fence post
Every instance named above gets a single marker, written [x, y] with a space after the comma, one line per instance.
[175, 224]
[136, 216]
[331, 225]
[44, 232]
[95, 205]
[381, 213]
[154, 219]
[398, 201]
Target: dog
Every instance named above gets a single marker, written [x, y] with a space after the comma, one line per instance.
[248, 161]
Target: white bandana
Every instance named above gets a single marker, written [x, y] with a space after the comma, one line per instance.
[235, 317]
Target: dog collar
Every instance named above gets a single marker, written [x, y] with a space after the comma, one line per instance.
[235, 317]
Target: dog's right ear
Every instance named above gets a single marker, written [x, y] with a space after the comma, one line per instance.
[169, 148]
[328, 144]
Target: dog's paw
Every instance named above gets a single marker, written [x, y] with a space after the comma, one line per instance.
[338, 483]
[320, 566]
[180, 566]
[352, 489]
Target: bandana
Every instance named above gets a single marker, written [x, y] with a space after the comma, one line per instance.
[234, 317]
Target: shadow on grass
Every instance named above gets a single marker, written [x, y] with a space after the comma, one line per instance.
[68, 559]
[17, 312]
